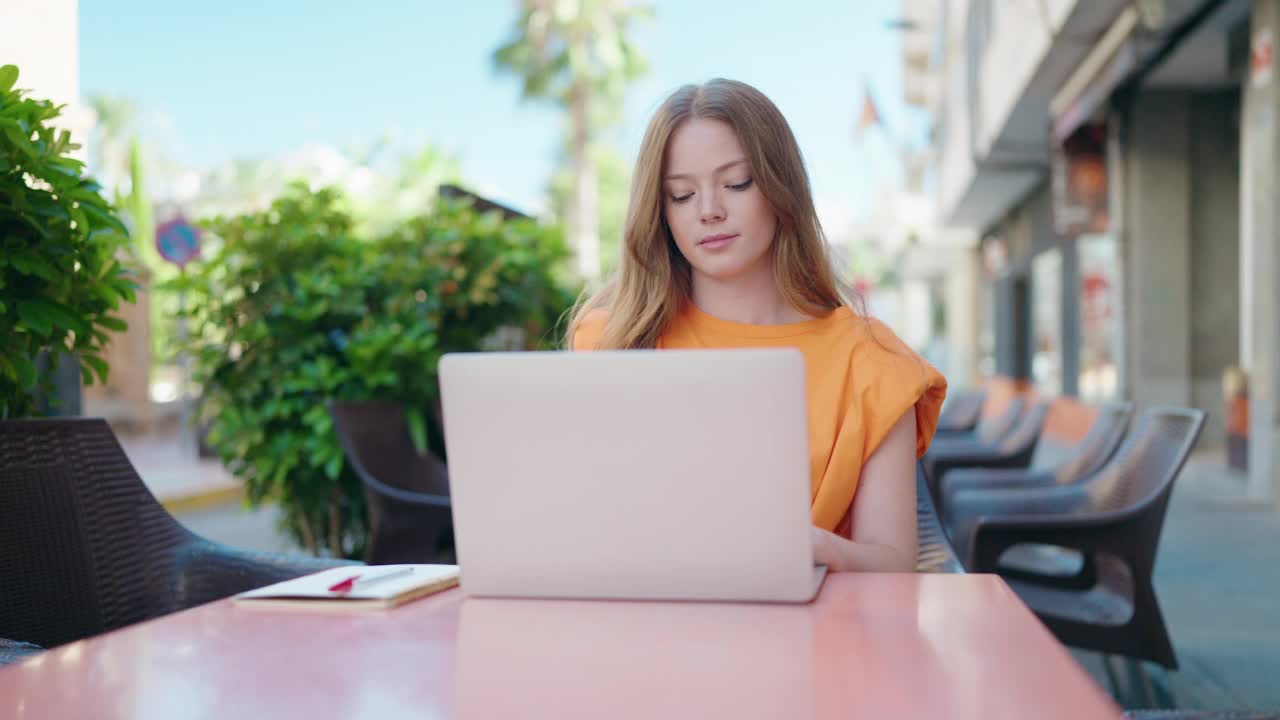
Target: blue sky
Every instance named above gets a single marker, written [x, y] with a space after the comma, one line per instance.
[237, 78]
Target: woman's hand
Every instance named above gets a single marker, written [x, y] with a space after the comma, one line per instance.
[826, 549]
[841, 555]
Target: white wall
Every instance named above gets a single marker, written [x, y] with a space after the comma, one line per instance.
[956, 153]
[42, 38]
[1021, 35]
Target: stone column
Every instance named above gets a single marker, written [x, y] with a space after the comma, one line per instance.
[1157, 249]
[1259, 249]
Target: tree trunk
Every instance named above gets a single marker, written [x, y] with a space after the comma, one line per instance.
[584, 234]
[335, 523]
[308, 534]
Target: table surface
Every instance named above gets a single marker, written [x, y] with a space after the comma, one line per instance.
[870, 646]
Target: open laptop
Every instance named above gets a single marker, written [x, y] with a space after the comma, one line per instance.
[643, 475]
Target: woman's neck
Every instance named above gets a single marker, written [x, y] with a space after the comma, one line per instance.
[752, 299]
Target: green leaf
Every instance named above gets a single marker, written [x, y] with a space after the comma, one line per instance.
[31, 316]
[417, 430]
[8, 76]
[333, 468]
[43, 315]
[20, 141]
[26, 372]
[28, 263]
[105, 218]
[98, 364]
[113, 323]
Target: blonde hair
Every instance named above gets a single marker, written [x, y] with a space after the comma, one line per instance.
[654, 281]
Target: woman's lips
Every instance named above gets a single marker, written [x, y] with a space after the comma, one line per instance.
[713, 242]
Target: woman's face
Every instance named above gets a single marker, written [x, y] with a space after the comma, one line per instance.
[721, 221]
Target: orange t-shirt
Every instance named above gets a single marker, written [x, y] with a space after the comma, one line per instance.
[861, 378]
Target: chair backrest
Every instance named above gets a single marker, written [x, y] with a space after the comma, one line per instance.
[83, 542]
[1026, 431]
[1144, 468]
[1078, 438]
[375, 436]
[997, 392]
[1004, 399]
[961, 410]
[991, 429]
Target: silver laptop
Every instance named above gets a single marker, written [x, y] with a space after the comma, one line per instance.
[644, 475]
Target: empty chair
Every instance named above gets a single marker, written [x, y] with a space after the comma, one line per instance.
[1002, 404]
[1014, 450]
[85, 548]
[960, 411]
[410, 514]
[1075, 441]
[1114, 517]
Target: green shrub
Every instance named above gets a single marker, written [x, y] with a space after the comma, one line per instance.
[291, 309]
[60, 247]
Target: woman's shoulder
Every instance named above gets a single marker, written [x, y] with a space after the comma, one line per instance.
[879, 354]
[588, 329]
[889, 377]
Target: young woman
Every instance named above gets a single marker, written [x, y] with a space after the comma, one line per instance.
[723, 249]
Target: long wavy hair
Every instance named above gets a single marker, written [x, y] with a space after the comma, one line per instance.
[654, 280]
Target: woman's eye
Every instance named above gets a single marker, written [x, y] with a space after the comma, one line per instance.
[741, 185]
[681, 198]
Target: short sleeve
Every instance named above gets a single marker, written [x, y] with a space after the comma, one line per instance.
[894, 380]
[589, 330]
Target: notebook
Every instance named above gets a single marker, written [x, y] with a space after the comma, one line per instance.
[356, 587]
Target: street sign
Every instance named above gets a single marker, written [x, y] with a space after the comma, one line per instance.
[178, 241]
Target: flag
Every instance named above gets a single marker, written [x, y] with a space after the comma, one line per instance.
[870, 115]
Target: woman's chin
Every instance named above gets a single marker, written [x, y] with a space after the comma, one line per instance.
[725, 268]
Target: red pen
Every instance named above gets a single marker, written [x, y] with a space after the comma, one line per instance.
[345, 585]
[348, 584]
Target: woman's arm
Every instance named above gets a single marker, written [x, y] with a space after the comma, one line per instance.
[884, 510]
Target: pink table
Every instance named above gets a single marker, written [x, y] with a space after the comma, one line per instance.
[871, 646]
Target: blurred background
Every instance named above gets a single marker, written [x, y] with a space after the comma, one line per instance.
[210, 111]
[1076, 194]
[536, 109]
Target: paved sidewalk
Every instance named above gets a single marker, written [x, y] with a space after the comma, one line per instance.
[176, 476]
[1217, 577]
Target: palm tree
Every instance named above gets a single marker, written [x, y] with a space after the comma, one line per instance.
[576, 54]
[116, 119]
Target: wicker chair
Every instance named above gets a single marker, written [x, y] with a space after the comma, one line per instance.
[85, 548]
[934, 553]
[410, 512]
[12, 651]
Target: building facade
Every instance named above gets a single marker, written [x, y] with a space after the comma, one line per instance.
[1114, 164]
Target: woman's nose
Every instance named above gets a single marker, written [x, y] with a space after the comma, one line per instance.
[711, 209]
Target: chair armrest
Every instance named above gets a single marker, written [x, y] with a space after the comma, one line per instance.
[976, 457]
[938, 464]
[946, 446]
[993, 478]
[384, 491]
[966, 508]
[1091, 532]
[949, 435]
[207, 571]
[11, 651]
